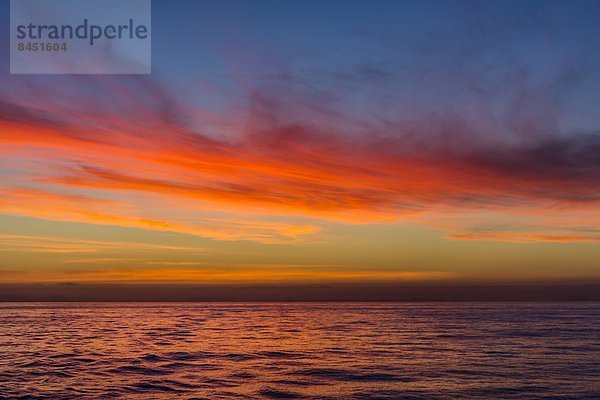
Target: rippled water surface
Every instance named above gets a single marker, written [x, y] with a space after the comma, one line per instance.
[309, 351]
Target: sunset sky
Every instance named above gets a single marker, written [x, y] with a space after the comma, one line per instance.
[303, 141]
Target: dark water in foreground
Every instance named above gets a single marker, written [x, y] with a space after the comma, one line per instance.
[308, 351]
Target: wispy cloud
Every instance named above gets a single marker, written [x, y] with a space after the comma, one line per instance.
[79, 208]
[222, 274]
[520, 237]
[370, 141]
[46, 244]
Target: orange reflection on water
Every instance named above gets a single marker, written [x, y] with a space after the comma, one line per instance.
[318, 350]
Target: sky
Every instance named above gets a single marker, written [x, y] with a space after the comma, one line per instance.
[305, 141]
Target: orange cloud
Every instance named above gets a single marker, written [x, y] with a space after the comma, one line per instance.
[519, 237]
[271, 166]
[44, 244]
[78, 208]
[216, 274]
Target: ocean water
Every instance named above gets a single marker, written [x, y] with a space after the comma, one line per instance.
[305, 350]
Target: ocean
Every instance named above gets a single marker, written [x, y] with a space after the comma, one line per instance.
[300, 350]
